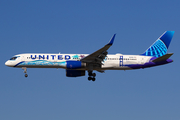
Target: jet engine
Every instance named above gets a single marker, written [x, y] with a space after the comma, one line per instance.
[74, 64]
[75, 73]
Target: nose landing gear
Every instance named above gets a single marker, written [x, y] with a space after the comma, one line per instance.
[26, 75]
[91, 76]
[25, 71]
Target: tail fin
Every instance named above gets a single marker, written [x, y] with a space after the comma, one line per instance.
[160, 46]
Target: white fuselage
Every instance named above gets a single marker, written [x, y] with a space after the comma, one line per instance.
[111, 62]
[77, 64]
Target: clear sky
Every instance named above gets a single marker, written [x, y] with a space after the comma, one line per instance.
[84, 26]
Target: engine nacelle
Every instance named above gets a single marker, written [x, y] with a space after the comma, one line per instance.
[74, 64]
[75, 73]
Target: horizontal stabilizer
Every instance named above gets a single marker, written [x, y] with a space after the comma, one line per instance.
[163, 58]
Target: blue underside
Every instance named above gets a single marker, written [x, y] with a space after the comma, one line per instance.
[150, 64]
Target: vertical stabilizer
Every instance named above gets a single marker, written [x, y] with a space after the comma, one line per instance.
[160, 46]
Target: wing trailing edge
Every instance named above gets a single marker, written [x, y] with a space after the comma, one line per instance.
[100, 54]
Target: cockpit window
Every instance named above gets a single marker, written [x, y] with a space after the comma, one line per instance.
[14, 58]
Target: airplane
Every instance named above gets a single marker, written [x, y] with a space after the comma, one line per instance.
[77, 64]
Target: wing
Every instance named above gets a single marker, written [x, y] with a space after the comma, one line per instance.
[99, 55]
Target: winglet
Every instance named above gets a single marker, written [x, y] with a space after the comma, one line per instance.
[112, 40]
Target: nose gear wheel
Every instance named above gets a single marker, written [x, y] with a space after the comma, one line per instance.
[25, 71]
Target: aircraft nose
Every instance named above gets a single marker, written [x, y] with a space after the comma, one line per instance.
[7, 63]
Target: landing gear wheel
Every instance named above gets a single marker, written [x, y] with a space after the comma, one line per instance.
[25, 71]
[26, 75]
[93, 79]
[89, 78]
[90, 74]
[94, 74]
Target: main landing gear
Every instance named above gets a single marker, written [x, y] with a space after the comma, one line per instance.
[91, 76]
[25, 71]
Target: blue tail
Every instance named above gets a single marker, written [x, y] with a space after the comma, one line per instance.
[160, 46]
